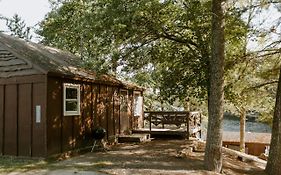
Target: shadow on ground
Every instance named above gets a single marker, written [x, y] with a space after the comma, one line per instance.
[155, 157]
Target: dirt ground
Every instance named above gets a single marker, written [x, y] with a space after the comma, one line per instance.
[158, 157]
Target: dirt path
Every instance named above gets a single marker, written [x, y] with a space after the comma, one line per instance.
[155, 157]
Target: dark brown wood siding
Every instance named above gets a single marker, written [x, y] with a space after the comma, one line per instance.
[10, 120]
[39, 144]
[20, 135]
[131, 109]
[71, 132]
[124, 111]
[100, 107]
[109, 113]
[54, 119]
[255, 149]
[25, 119]
[87, 113]
[116, 113]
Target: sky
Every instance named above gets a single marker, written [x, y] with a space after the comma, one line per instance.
[31, 11]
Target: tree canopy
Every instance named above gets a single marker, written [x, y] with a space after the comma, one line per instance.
[150, 40]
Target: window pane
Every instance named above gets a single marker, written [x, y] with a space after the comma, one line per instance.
[71, 93]
[71, 106]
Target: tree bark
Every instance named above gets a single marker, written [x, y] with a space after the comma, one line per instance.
[213, 151]
[242, 129]
[274, 159]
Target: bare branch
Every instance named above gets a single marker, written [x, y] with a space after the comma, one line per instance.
[264, 84]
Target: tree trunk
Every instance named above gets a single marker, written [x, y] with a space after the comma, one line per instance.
[213, 151]
[242, 129]
[274, 159]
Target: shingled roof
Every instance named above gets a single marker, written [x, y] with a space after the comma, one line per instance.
[21, 58]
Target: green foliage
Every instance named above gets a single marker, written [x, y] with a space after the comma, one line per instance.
[18, 28]
[160, 44]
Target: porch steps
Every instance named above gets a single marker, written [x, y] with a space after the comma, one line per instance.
[136, 138]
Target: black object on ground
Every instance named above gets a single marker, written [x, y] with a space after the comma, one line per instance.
[98, 134]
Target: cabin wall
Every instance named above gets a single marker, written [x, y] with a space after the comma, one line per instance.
[99, 106]
[128, 120]
[255, 149]
[124, 118]
[20, 133]
[68, 132]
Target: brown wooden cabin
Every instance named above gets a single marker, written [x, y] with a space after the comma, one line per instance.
[255, 143]
[49, 104]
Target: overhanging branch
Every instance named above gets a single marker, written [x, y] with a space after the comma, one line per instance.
[264, 84]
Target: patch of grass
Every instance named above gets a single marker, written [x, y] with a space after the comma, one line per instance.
[10, 164]
[94, 166]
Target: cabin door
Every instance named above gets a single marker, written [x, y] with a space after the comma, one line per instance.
[124, 112]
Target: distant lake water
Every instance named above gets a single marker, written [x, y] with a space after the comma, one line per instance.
[233, 124]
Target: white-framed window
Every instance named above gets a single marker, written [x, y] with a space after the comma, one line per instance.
[71, 99]
[138, 101]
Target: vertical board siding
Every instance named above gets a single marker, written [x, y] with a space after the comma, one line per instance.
[2, 98]
[39, 134]
[79, 124]
[116, 107]
[110, 117]
[99, 106]
[56, 133]
[87, 114]
[77, 131]
[24, 119]
[95, 102]
[131, 109]
[102, 107]
[67, 136]
[54, 119]
[124, 115]
[10, 121]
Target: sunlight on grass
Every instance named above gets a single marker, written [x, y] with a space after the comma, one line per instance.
[9, 164]
[17, 164]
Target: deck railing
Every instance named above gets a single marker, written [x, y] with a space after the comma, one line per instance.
[192, 120]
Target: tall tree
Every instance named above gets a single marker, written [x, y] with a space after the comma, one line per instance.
[213, 151]
[274, 159]
[17, 27]
[170, 37]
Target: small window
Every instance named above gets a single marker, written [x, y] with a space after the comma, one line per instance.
[71, 99]
[138, 102]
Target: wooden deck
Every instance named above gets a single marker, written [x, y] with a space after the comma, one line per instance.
[135, 137]
[171, 124]
[156, 133]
